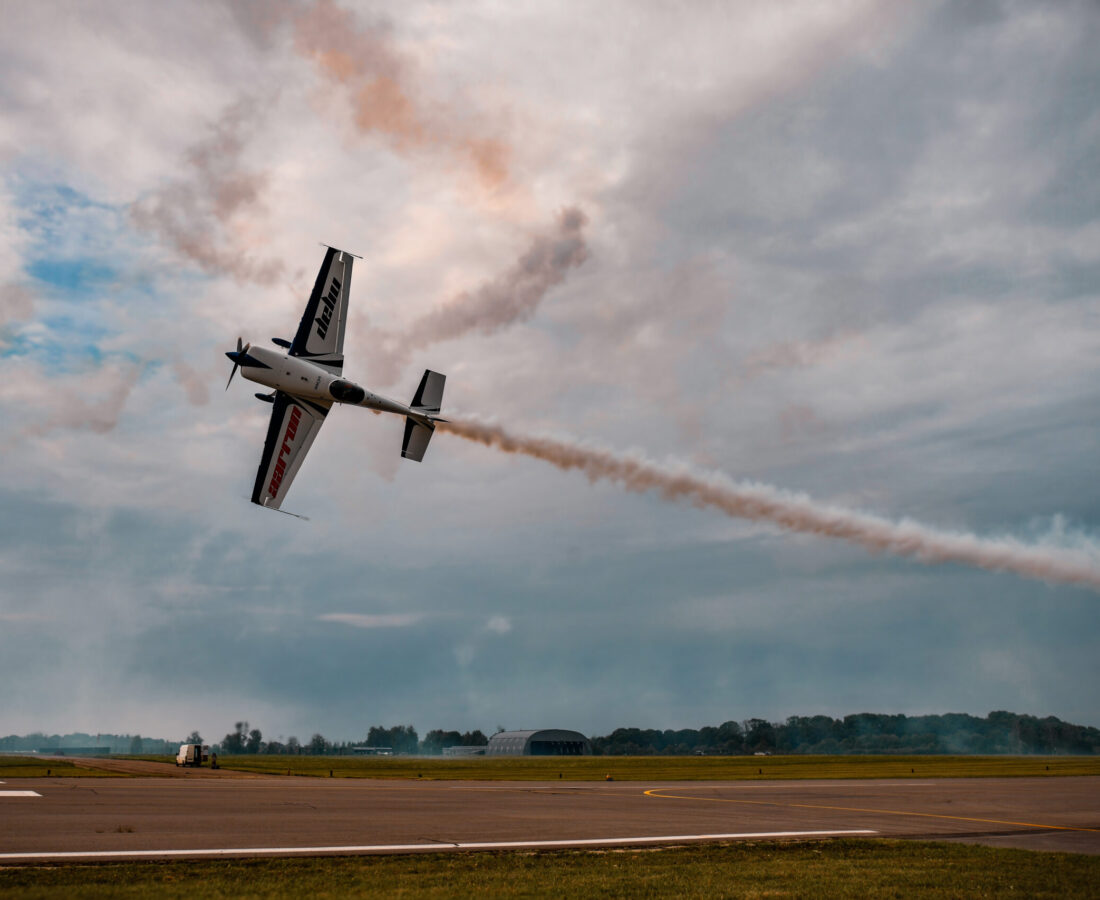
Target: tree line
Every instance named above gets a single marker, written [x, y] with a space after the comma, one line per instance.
[999, 732]
[133, 744]
[400, 739]
[953, 733]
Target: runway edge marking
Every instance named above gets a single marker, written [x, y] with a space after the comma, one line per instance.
[19, 793]
[457, 845]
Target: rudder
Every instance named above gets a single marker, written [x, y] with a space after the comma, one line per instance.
[429, 396]
[428, 400]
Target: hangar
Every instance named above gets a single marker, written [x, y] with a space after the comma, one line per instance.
[547, 742]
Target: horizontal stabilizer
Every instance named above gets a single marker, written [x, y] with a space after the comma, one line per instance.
[416, 440]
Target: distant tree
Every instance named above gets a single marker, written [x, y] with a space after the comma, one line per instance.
[193, 738]
[759, 736]
[474, 739]
[274, 747]
[255, 741]
[435, 741]
[292, 745]
[399, 738]
[137, 746]
[236, 741]
[318, 746]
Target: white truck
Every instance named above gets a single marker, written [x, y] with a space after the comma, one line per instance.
[192, 755]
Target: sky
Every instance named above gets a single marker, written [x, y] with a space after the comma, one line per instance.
[844, 252]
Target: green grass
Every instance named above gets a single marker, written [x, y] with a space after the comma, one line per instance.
[848, 868]
[620, 768]
[662, 768]
[33, 767]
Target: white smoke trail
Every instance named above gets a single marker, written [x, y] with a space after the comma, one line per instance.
[795, 512]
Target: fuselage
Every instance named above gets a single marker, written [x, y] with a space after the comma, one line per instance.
[299, 376]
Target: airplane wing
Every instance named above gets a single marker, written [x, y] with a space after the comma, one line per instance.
[295, 422]
[320, 337]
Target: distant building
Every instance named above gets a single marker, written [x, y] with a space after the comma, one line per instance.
[547, 742]
[463, 750]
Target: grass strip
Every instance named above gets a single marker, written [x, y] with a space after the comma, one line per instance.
[660, 768]
[33, 767]
[840, 868]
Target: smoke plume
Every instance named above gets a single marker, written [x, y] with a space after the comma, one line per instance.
[515, 295]
[386, 94]
[794, 512]
[200, 213]
[191, 381]
[798, 354]
[16, 303]
[510, 297]
[97, 406]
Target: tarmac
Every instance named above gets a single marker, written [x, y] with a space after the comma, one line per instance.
[204, 814]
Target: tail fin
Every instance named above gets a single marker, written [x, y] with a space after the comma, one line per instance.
[429, 396]
[428, 400]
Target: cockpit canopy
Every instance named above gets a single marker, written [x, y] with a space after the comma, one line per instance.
[346, 392]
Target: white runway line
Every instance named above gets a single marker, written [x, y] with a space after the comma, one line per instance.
[20, 794]
[402, 848]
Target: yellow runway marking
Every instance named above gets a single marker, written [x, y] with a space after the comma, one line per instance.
[656, 792]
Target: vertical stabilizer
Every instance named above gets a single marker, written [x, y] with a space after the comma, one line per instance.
[429, 396]
[427, 400]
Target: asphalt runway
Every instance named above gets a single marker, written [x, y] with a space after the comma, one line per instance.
[114, 818]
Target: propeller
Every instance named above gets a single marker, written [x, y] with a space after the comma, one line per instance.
[241, 350]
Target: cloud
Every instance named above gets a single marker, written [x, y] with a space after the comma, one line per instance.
[94, 404]
[833, 248]
[194, 385]
[373, 620]
[16, 303]
[499, 625]
[511, 297]
[798, 354]
[386, 94]
[214, 213]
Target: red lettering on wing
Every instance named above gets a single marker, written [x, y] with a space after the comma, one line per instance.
[284, 450]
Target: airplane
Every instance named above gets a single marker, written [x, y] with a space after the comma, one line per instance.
[307, 377]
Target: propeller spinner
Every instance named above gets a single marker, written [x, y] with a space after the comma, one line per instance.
[236, 355]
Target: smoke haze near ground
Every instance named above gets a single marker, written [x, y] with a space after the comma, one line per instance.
[794, 512]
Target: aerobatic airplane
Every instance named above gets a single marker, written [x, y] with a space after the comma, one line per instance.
[307, 379]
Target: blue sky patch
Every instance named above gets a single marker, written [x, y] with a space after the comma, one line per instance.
[72, 275]
[64, 344]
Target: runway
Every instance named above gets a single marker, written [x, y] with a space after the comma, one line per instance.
[83, 818]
